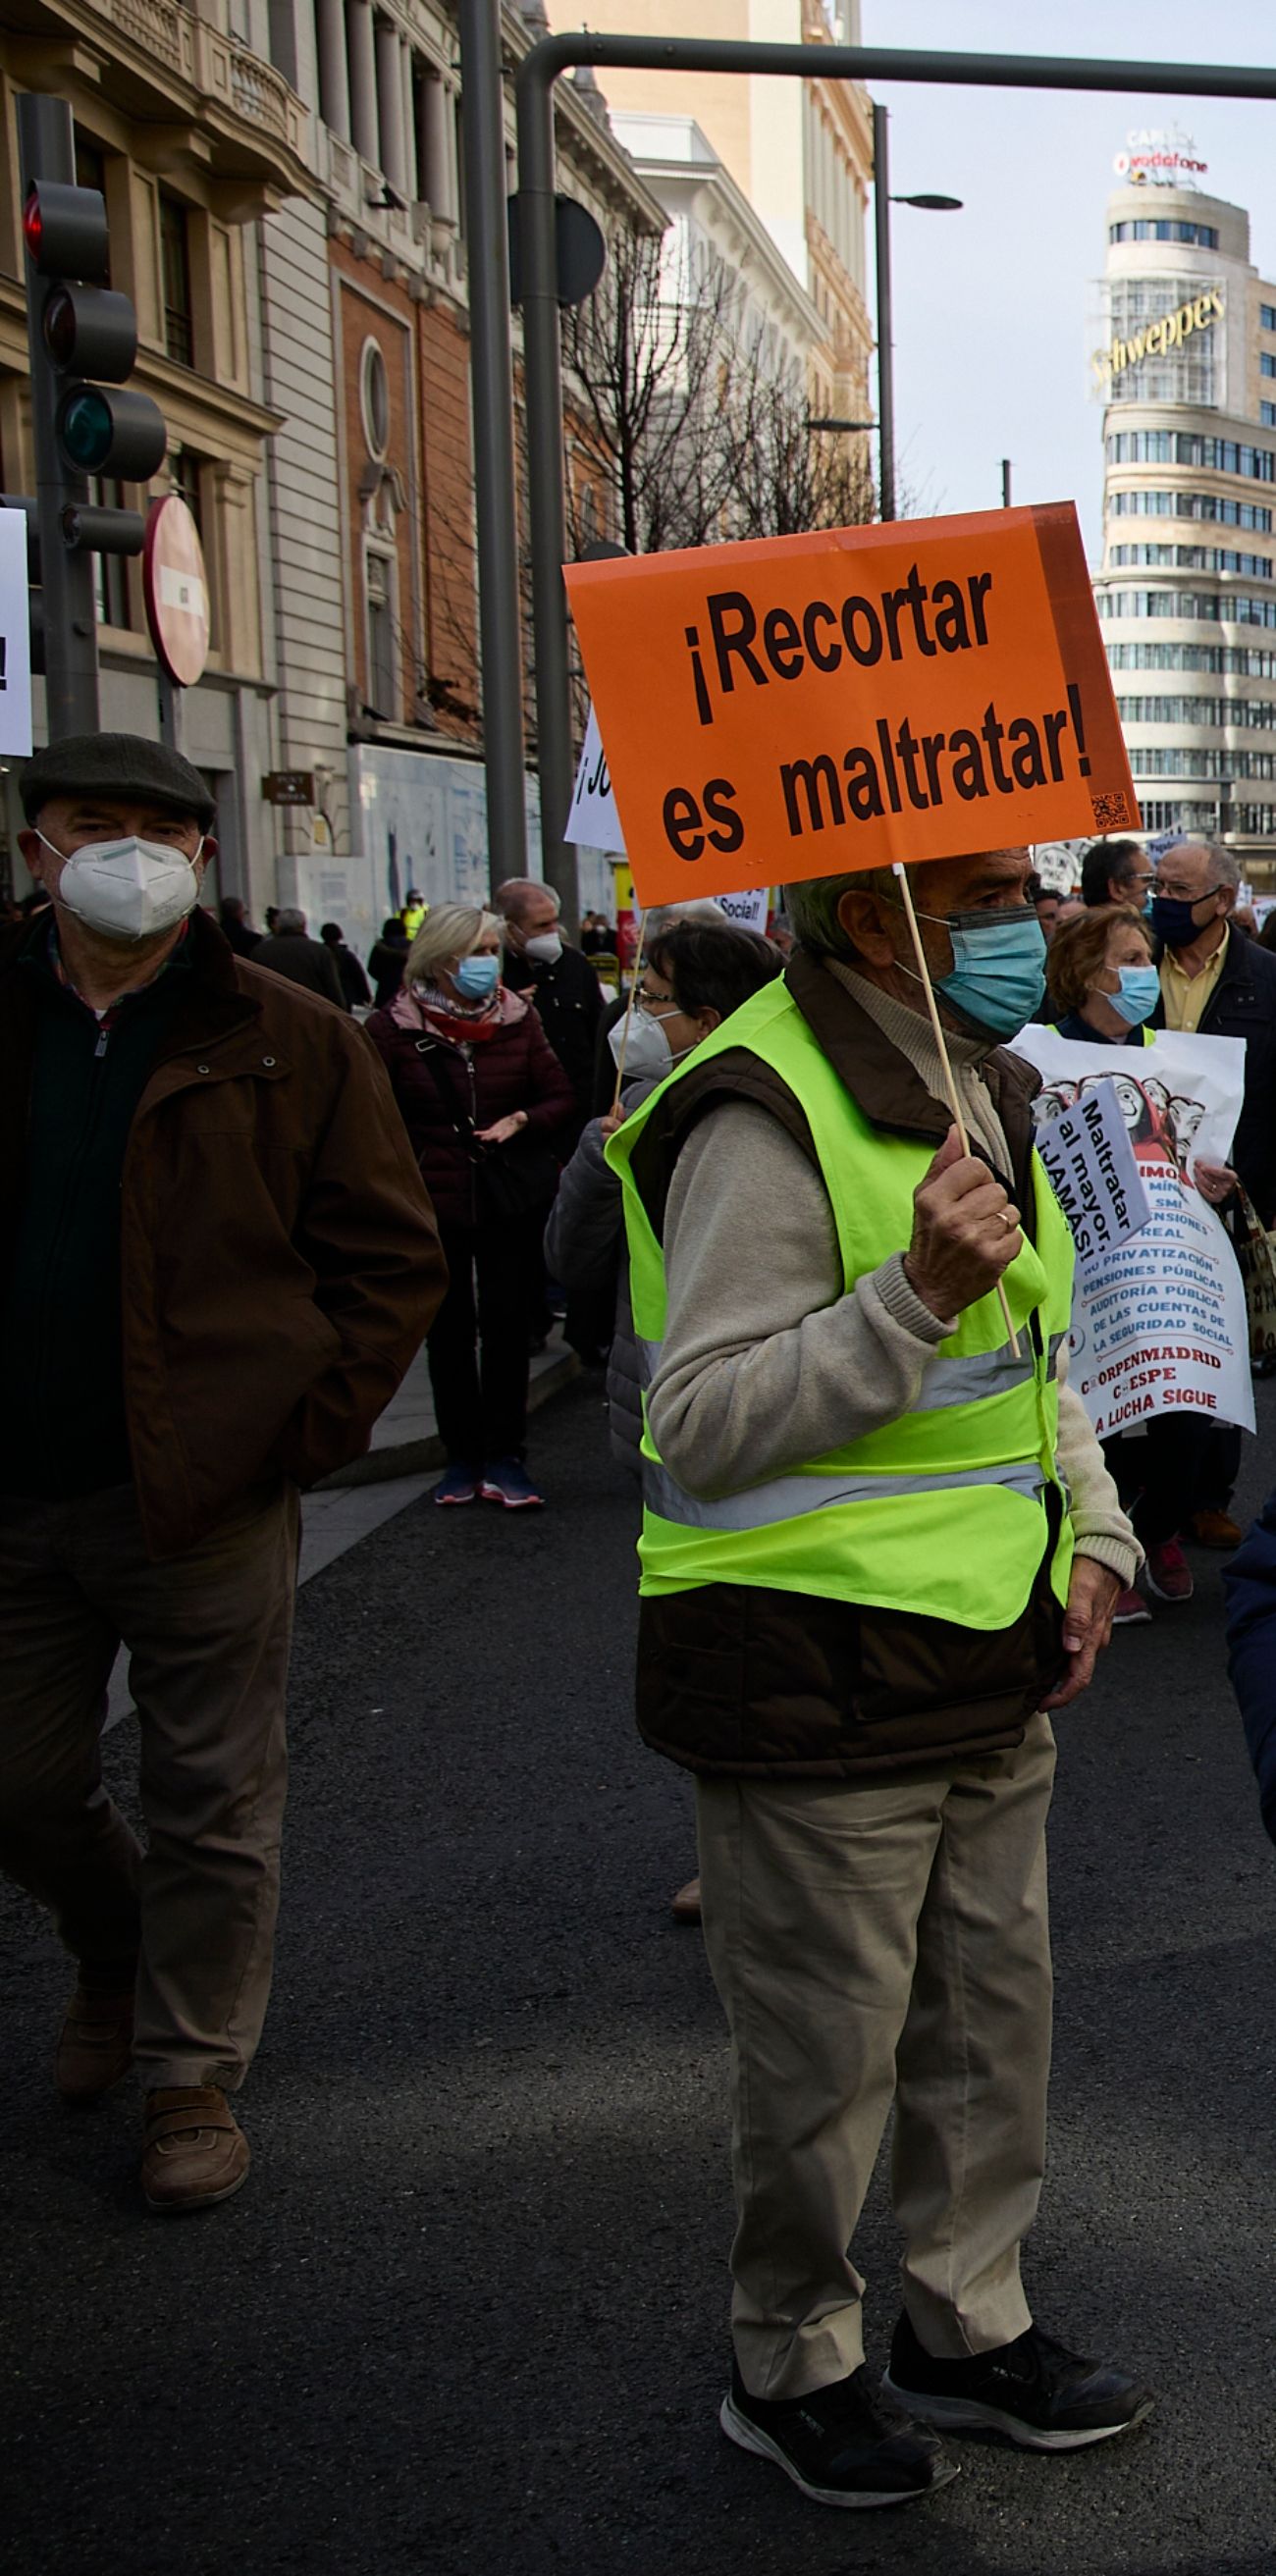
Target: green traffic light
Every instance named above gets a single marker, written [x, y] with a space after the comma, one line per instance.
[86, 429]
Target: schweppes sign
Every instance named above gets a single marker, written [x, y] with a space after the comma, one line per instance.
[1156, 339]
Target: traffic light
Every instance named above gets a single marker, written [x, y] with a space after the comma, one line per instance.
[86, 419]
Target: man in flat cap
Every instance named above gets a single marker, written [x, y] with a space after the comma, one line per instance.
[219, 1260]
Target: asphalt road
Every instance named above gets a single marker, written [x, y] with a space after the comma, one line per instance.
[469, 2314]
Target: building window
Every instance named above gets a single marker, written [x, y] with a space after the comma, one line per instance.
[1267, 414]
[1160, 228]
[1267, 363]
[374, 399]
[175, 271]
[1191, 447]
[379, 586]
[185, 475]
[1267, 317]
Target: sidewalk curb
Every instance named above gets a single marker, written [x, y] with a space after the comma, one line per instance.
[417, 1457]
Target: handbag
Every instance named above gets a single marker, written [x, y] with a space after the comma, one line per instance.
[511, 1181]
[1256, 1254]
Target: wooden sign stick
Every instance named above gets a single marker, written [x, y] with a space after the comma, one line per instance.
[629, 1011]
[954, 1099]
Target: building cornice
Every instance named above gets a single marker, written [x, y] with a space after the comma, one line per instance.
[189, 94]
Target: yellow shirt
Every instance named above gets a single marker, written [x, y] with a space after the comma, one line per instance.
[1185, 996]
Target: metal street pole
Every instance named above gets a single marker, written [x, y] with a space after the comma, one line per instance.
[534, 88]
[546, 494]
[1005, 482]
[885, 353]
[46, 146]
[492, 400]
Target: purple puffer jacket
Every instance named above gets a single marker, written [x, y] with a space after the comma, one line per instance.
[440, 1086]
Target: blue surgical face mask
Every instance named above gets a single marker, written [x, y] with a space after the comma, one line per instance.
[998, 973]
[475, 977]
[1140, 992]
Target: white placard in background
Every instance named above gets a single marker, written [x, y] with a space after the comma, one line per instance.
[15, 635]
[749, 910]
[592, 817]
[1158, 1319]
[1094, 1173]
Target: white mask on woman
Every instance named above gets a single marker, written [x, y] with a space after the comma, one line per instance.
[127, 889]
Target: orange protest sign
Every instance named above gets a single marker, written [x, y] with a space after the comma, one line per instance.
[796, 706]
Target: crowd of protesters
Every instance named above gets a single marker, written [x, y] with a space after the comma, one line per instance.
[880, 1541]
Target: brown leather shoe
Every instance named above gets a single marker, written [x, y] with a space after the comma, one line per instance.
[195, 2151]
[685, 1906]
[1215, 1529]
[95, 2045]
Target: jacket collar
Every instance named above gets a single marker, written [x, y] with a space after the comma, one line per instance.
[212, 1002]
[882, 1082]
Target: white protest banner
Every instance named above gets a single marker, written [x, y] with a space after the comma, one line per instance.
[15, 635]
[1158, 1322]
[592, 818]
[748, 911]
[1094, 1172]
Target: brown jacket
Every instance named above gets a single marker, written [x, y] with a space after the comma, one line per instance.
[736, 1679]
[280, 1264]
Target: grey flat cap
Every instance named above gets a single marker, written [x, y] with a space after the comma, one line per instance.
[115, 764]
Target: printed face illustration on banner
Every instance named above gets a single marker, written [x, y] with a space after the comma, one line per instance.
[799, 706]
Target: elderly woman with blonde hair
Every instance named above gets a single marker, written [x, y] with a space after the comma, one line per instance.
[485, 1102]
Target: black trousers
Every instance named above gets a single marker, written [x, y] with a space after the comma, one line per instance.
[1162, 1473]
[477, 1345]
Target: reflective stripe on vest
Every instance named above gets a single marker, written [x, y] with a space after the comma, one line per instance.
[944, 1382]
[786, 1498]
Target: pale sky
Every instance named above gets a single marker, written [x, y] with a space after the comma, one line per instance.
[995, 307]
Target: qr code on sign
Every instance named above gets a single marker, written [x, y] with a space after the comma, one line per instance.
[1111, 811]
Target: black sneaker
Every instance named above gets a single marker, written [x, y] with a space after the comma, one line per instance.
[841, 2445]
[1033, 2390]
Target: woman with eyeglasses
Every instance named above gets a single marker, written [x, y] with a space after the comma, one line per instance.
[694, 975]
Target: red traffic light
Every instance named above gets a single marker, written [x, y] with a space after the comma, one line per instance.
[65, 231]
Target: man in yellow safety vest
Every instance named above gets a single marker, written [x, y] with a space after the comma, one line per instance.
[879, 1544]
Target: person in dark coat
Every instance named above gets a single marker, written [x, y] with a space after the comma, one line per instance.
[216, 1263]
[235, 929]
[1222, 985]
[354, 983]
[1249, 1595]
[487, 1106]
[555, 978]
[288, 951]
[694, 975]
[387, 960]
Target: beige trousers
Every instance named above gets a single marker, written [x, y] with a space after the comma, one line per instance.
[208, 1635]
[872, 1944]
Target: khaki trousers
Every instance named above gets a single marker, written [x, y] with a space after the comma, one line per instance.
[869, 1944]
[208, 1635]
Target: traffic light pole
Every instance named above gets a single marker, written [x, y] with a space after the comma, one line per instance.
[46, 143]
[492, 382]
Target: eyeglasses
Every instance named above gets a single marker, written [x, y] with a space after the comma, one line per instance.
[653, 1003]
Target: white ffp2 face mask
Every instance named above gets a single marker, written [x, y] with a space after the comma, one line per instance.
[127, 889]
[546, 947]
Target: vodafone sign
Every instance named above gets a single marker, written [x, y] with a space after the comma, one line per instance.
[175, 588]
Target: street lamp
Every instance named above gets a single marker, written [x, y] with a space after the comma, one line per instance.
[882, 203]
